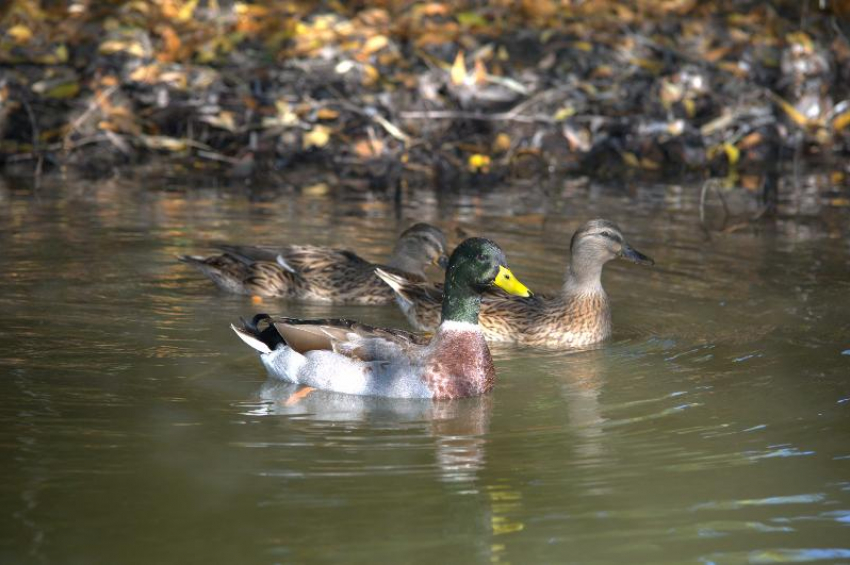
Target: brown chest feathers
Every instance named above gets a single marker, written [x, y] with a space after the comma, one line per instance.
[460, 365]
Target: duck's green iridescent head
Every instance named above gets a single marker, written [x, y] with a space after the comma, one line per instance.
[476, 265]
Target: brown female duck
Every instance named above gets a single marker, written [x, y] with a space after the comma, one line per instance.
[580, 315]
[322, 274]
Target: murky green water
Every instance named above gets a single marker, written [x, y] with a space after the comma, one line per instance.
[135, 427]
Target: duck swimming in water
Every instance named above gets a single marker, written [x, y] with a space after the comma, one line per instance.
[322, 274]
[580, 315]
[353, 358]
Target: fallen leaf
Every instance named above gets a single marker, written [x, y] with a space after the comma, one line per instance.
[370, 75]
[327, 114]
[368, 148]
[479, 163]
[318, 137]
[113, 46]
[224, 120]
[841, 121]
[375, 43]
[318, 189]
[564, 113]
[631, 159]
[20, 33]
[458, 71]
[173, 144]
[502, 143]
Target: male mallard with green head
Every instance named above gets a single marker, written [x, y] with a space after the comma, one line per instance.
[322, 274]
[578, 316]
[353, 358]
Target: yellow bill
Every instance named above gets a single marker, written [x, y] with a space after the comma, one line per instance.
[510, 284]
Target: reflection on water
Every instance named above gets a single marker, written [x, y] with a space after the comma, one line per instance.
[713, 428]
[457, 427]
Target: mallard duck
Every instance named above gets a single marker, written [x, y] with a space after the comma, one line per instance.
[353, 358]
[322, 274]
[578, 316]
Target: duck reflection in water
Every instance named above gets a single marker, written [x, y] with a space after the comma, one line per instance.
[457, 426]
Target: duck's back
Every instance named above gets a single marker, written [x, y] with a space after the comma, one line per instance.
[337, 275]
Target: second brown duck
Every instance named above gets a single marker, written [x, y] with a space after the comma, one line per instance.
[322, 274]
[578, 316]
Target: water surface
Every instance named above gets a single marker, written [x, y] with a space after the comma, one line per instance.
[713, 428]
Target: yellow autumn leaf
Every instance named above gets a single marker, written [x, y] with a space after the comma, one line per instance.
[184, 14]
[502, 143]
[370, 75]
[796, 116]
[327, 114]
[58, 56]
[480, 72]
[368, 148]
[841, 121]
[375, 43]
[564, 113]
[458, 71]
[649, 164]
[164, 142]
[224, 120]
[318, 137]
[318, 189]
[733, 154]
[650, 65]
[118, 46]
[145, 73]
[63, 91]
[631, 159]
[20, 33]
[479, 163]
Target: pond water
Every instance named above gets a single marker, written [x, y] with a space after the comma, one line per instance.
[713, 428]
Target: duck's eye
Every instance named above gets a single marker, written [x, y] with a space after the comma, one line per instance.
[481, 257]
[606, 234]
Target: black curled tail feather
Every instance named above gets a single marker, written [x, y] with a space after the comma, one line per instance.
[268, 335]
